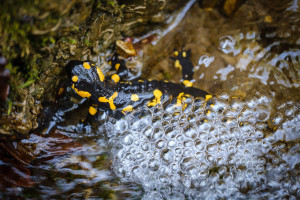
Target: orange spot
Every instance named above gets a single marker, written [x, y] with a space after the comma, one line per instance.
[92, 110]
[110, 100]
[187, 83]
[208, 97]
[178, 65]
[86, 65]
[74, 78]
[157, 98]
[115, 78]
[83, 94]
[134, 97]
[127, 109]
[117, 66]
[100, 74]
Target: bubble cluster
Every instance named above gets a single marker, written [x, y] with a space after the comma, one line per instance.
[223, 148]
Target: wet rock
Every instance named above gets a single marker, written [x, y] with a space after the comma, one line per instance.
[39, 38]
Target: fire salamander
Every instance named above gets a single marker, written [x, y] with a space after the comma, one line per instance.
[110, 93]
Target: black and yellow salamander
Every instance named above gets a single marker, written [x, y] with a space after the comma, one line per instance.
[110, 93]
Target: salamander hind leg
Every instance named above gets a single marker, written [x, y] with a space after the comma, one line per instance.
[183, 62]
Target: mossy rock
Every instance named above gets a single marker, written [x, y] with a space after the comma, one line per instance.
[38, 38]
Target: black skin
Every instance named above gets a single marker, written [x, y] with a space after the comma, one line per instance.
[122, 71]
[186, 63]
[88, 80]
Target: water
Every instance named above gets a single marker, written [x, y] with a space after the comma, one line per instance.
[242, 144]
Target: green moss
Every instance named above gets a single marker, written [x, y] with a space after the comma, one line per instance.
[87, 42]
[17, 46]
[48, 41]
[112, 3]
[27, 83]
[72, 41]
[167, 76]
[9, 102]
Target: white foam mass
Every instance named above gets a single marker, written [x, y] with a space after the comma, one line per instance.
[225, 148]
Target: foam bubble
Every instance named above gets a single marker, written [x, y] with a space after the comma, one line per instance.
[224, 148]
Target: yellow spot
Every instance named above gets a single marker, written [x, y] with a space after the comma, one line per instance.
[166, 81]
[60, 91]
[157, 98]
[74, 78]
[92, 110]
[184, 54]
[184, 106]
[208, 97]
[110, 100]
[109, 62]
[181, 97]
[134, 97]
[205, 120]
[127, 109]
[212, 105]
[187, 83]
[86, 65]
[208, 112]
[141, 81]
[178, 65]
[115, 78]
[176, 53]
[117, 66]
[100, 74]
[83, 94]
[149, 79]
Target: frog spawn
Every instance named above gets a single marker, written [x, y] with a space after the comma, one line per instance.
[224, 148]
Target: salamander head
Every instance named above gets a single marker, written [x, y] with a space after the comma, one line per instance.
[85, 77]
